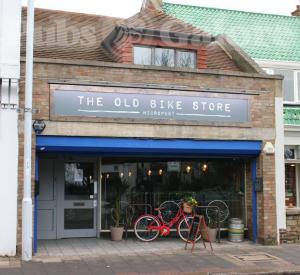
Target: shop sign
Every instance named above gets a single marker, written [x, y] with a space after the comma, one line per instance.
[141, 106]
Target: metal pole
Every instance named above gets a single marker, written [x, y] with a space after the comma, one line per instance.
[27, 201]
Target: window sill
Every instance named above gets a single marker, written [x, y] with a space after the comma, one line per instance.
[292, 211]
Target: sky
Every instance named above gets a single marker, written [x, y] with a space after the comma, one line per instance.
[126, 8]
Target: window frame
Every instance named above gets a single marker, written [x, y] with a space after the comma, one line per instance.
[296, 81]
[176, 50]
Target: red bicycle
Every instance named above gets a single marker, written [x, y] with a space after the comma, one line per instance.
[148, 227]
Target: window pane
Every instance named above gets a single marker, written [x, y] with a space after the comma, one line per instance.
[142, 55]
[185, 59]
[290, 185]
[164, 57]
[288, 84]
[79, 218]
[289, 153]
[79, 181]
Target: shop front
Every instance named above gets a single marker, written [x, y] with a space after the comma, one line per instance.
[78, 178]
[156, 105]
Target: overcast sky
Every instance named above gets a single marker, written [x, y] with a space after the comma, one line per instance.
[126, 8]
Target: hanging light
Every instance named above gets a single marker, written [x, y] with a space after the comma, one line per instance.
[149, 172]
[121, 174]
[160, 172]
[204, 167]
[129, 174]
[188, 169]
[107, 176]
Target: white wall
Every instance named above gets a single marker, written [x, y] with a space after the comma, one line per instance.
[10, 28]
[8, 181]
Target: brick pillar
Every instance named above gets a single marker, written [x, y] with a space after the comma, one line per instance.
[267, 223]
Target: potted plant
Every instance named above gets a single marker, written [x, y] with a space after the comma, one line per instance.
[212, 230]
[188, 204]
[119, 186]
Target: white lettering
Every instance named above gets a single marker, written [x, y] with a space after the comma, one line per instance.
[227, 108]
[89, 101]
[126, 104]
[211, 106]
[99, 101]
[203, 105]
[135, 103]
[195, 105]
[117, 102]
[220, 107]
[178, 105]
[162, 104]
[170, 104]
[153, 103]
[81, 97]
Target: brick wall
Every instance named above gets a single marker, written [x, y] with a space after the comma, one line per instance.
[261, 126]
[292, 232]
[123, 50]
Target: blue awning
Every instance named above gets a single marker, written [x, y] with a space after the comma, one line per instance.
[148, 147]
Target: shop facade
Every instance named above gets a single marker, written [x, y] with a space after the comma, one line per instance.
[202, 124]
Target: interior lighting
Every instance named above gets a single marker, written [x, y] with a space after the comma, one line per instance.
[121, 175]
[149, 172]
[292, 165]
[107, 176]
[160, 171]
[129, 174]
[188, 169]
[204, 167]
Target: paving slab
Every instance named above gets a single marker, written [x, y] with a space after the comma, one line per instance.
[89, 257]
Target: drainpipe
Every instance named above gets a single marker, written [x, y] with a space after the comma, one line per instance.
[27, 201]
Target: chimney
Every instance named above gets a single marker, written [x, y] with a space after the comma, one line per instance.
[152, 4]
[297, 11]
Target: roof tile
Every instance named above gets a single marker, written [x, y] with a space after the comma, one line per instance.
[262, 36]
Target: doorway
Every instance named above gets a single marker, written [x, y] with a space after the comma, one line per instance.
[67, 200]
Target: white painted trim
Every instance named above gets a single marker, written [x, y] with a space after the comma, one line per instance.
[279, 64]
[279, 166]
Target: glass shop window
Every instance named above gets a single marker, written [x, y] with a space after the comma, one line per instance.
[165, 57]
[290, 185]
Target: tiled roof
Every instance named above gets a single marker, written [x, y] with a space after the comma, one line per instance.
[69, 35]
[291, 116]
[154, 19]
[262, 36]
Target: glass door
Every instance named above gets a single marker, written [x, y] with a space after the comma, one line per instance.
[78, 199]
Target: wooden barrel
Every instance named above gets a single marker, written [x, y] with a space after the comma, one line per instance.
[236, 230]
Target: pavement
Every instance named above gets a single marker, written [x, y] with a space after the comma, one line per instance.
[227, 258]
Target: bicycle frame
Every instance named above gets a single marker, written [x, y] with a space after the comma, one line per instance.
[165, 228]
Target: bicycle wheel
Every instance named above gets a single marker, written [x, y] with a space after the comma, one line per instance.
[212, 213]
[168, 210]
[141, 230]
[183, 228]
